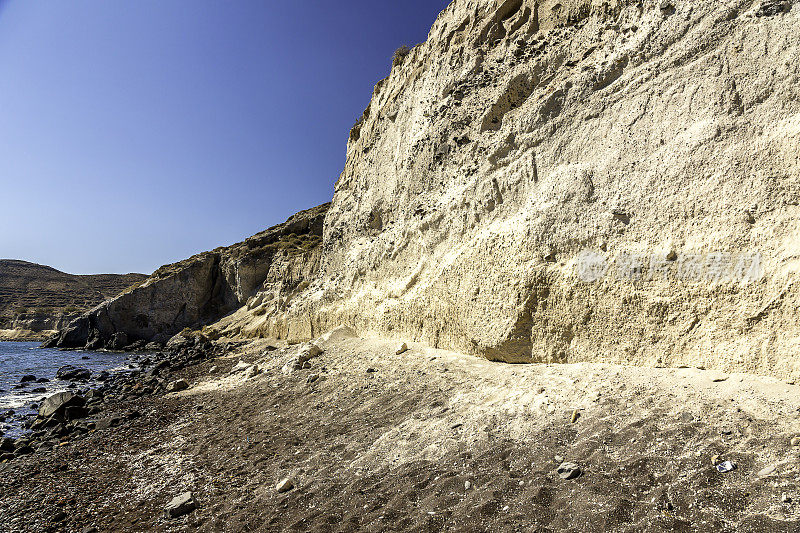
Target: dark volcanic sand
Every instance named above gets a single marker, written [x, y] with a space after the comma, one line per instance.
[391, 450]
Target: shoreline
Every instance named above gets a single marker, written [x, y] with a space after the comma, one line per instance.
[419, 441]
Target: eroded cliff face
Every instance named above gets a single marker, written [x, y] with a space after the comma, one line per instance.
[199, 290]
[524, 132]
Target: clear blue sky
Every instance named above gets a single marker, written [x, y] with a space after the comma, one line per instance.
[135, 133]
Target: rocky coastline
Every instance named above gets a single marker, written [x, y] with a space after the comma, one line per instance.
[85, 405]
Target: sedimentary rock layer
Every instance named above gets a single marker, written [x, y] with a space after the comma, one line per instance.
[36, 299]
[524, 132]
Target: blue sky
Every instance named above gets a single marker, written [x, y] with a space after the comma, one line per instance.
[135, 133]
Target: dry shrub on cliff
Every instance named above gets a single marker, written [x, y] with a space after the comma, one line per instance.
[399, 55]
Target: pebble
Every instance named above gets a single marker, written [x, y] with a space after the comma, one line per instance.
[467, 485]
[785, 498]
[401, 349]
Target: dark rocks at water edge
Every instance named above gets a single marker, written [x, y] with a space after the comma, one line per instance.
[68, 415]
[69, 372]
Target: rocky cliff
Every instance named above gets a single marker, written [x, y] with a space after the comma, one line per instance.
[528, 142]
[550, 180]
[37, 299]
[202, 289]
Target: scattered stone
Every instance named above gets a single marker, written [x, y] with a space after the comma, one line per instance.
[180, 505]
[575, 416]
[69, 372]
[726, 466]
[558, 459]
[23, 450]
[177, 342]
[795, 441]
[75, 412]
[252, 372]
[401, 349]
[285, 485]
[178, 385]
[108, 422]
[715, 459]
[312, 378]
[309, 351]
[241, 366]
[769, 8]
[118, 341]
[58, 403]
[7, 444]
[569, 471]
[338, 334]
[767, 471]
[371, 370]
[785, 498]
[467, 485]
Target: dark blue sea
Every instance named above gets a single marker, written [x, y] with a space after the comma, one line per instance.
[18, 359]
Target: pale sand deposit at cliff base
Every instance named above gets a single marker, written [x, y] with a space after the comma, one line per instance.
[386, 442]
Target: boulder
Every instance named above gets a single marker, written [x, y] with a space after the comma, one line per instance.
[178, 385]
[27, 378]
[75, 412]
[338, 334]
[7, 444]
[57, 404]
[118, 341]
[69, 372]
[180, 505]
[285, 485]
[107, 422]
[177, 342]
[569, 471]
[241, 366]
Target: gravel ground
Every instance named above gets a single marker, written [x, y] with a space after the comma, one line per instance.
[427, 440]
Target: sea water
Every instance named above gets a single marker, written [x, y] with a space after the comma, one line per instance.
[18, 359]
